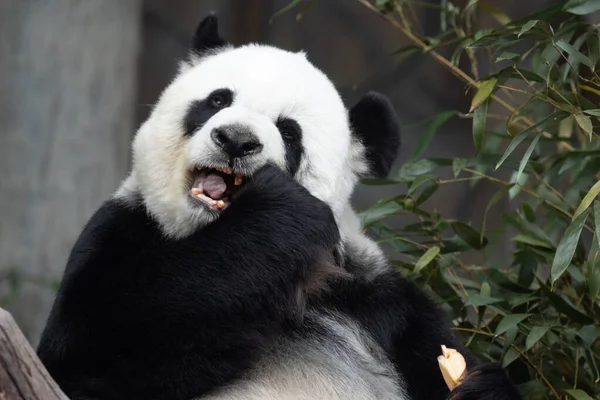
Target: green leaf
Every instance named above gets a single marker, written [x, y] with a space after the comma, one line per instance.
[568, 244]
[535, 335]
[526, 156]
[593, 270]
[582, 7]
[406, 51]
[418, 181]
[508, 56]
[426, 193]
[521, 238]
[573, 52]
[479, 125]
[495, 199]
[597, 220]
[477, 300]
[595, 112]
[500, 278]
[545, 14]
[485, 290]
[426, 258]
[469, 235]
[495, 12]
[457, 165]
[578, 394]
[483, 92]
[429, 132]
[563, 306]
[518, 138]
[593, 46]
[585, 123]
[379, 211]
[286, 8]
[510, 356]
[527, 27]
[508, 322]
[587, 200]
[378, 181]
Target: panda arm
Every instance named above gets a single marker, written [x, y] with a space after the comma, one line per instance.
[141, 316]
[411, 330]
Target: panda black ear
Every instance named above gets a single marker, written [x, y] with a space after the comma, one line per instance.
[375, 123]
[207, 35]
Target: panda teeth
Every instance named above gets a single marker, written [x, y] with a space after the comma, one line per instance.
[238, 179]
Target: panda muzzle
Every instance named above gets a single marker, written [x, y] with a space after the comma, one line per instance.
[215, 186]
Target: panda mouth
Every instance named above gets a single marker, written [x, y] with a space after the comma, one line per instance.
[214, 187]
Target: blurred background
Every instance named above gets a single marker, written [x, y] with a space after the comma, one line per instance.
[78, 76]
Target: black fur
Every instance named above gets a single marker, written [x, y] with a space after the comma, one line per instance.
[200, 111]
[207, 37]
[411, 330]
[139, 316]
[375, 124]
[291, 134]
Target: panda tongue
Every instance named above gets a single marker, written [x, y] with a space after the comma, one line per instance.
[214, 186]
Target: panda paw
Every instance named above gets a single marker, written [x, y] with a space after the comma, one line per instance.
[277, 198]
[485, 382]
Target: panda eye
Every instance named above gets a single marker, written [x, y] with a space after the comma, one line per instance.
[220, 98]
[289, 129]
[217, 102]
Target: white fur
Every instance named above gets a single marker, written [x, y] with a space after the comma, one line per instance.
[267, 83]
[349, 365]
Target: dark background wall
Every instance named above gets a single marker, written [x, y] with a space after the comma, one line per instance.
[78, 76]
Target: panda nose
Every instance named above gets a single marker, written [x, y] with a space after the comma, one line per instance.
[236, 141]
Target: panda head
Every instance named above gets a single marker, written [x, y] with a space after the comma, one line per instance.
[230, 110]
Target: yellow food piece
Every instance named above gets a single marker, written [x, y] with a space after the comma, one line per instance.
[453, 366]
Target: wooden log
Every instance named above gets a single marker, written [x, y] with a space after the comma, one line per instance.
[22, 375]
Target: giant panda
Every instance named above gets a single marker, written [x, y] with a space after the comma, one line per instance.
[230, 264]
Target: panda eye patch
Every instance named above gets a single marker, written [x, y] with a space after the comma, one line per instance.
[220, 98]
[200, 111]
[289, 129]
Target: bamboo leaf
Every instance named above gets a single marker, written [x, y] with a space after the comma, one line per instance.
[379, 211]
[429, 132]
[457, 165]
[573, 52]
[587, 200]
[578, 394]
[535, 335]
[595, 112]
[585, 123]
[527, 27]
[526, 156]
[593, 46]
[479, 125]
[508, 56]
[582, 7]
[495, 199]
[531, 241]
[508, 322]
[419, 180]
[518, 138]
[597, 220]
[477, 300]
[426, 258]
[469, 235]
[483, 92]
[568, 244]
[496, 13]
